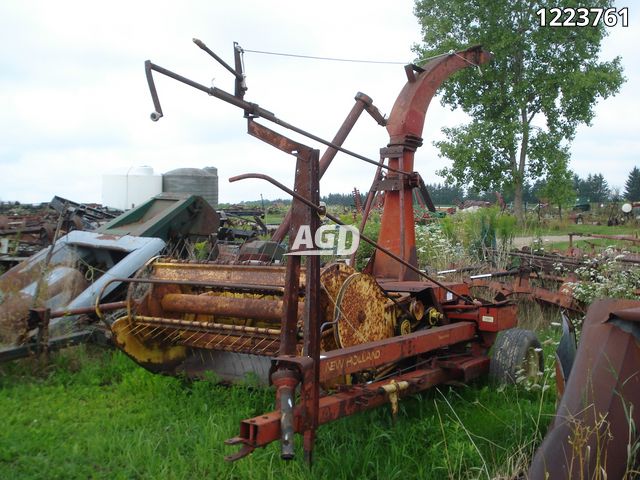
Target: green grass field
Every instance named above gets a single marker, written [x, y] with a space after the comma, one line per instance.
[596, 245]
[564, 228]
[93, 413]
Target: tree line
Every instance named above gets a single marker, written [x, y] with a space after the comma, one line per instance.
[569, 188]
[594, 188]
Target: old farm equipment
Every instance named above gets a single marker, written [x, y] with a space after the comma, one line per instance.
[594, 431]
[46, 301]
[333, 341]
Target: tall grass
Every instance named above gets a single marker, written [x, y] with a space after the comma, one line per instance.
[466, 238]
[95, 414]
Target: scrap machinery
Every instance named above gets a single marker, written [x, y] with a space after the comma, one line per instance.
[331, 340]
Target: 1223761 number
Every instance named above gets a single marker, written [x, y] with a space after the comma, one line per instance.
[583, 17]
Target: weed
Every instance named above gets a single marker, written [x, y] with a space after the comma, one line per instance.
[603, 276]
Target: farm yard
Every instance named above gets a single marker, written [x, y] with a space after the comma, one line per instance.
[91, 412]
[217, 290]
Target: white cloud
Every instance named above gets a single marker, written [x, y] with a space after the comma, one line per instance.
[75, 103]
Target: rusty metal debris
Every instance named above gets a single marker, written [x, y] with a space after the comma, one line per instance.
[525, 283]
[27, 229]
[594, 432]
[78, 270]
[548, 278]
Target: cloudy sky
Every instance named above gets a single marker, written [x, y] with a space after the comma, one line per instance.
[74, 103]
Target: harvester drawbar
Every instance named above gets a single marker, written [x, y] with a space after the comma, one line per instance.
[332, 340]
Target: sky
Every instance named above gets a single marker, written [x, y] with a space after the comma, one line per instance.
[74, 103]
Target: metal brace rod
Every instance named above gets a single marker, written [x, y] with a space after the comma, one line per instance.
[251, 110]
[241, 85]
[201, 44]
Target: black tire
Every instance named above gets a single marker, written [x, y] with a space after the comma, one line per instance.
[516, 353]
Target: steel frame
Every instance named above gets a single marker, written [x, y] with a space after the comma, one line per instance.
[452, 351]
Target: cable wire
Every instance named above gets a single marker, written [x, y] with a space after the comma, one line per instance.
[353, 60]
[333, 59]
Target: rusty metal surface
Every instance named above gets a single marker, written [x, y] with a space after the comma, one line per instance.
[103, 307]
[64, 286]
[304, 213]
[196, 325]
[362, 101]
[306, 196]
[348, 315]
[312, 317]
[264, 275]
[489, 318]
[374, 354]
[153, 359]
[624, 238]
[360, 312]
[523, 286]
[216, 305]
[595, 422]
[405, 125]
[331, 279]
[221, 286]
[29, 228]
[408, 113]
[79, 268]
[264, 429]
[206, 336]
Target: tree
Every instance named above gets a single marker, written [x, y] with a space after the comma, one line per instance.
[581, 188]
[445, 194]
[598, 188]
[558, 187]
[632, 185]
[592, 189]
[526, 103]
[614, 195]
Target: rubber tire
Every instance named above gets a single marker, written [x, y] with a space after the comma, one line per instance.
[510, 353]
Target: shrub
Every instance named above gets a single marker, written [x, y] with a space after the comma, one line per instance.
[605, 276]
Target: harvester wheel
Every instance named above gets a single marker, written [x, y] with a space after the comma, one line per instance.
[517, 354]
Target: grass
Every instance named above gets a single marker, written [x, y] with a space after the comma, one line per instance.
[557, 227]
[597, 244]
[273, 218]
[629, 229]
[95, 414]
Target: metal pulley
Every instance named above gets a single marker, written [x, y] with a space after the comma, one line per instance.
[360, 312]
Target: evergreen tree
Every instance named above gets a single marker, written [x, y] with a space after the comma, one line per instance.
[632, 185]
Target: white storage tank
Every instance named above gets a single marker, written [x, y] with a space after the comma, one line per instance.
[131, 187]
[193, 181]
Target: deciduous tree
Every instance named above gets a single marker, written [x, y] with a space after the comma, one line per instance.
[526, 103]
[558, 188]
